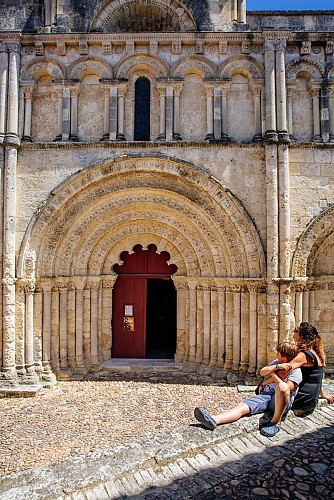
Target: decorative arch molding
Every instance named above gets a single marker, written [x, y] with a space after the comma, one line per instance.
[201, 65]
[43, 66]
[179, 207]
[131, 61]
[131, 16]
[246, 65]
[88, 65]
[312, 243]
[305, 65]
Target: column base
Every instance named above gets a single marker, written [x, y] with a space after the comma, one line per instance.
[8, 377]
[209, 137]
[58, 138]
[105, 137]
[271, 136]
[317, 138]
[74, 138]
[331, 138]
[257, 138]
[26, 138]
[12, 139]
[120, 137]
[283, 137]
[177, 137]
[161, 138]
[2, 138]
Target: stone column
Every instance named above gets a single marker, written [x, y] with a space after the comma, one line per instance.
[312, 306]
[13, 95]
[306, 304]
[284, 239]
[256, 91]
[71, 339]
[176, 113]
[181, 321]
[299, 304]
[4, 61]
[281, 92]
[221, 328]
[66, 113]
[214, 327]
[38, 331]
[236, 328]
[209, 113]
[86, 328]
[162, 123]
[217, 116]
[324, 113]
[60, 115]
[199, 324]
[107, 123]
[234, 10]
[63, 353]
[270, 91]
[28, 94]
[206, 324]
[224, 91]
[192, 321]
[330, 111]
[266, 340]
[79, 315]
[29, 335]
[121, 91]
[107, 313]
[74, 115]
[242, 11]
[55, 330]
[244, 329]
[290, 94]
[229, 328]
[46, 344]
[272, 247]
[252, 329]
[169, 113]
[315, 93]
[94, 355]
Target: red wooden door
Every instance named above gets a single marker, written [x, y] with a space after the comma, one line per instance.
[130, 299]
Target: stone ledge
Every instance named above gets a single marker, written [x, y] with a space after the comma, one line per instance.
[19, 391]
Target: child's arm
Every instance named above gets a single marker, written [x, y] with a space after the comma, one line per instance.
[292, 385]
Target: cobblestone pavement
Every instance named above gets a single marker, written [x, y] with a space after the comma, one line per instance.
[138, 439]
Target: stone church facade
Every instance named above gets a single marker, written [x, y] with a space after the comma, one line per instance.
[189, 132]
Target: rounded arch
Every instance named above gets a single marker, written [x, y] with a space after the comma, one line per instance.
[181, 208]
[201, 65]
[304, 65]
[246, 65]
[87, 65]
[131, 61]
[313, 243]
[129, 16]
[44, 66]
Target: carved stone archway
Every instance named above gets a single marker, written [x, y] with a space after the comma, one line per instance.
[81, 230]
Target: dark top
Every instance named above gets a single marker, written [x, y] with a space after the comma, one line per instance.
[310, 387]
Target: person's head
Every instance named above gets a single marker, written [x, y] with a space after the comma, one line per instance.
[307, 337]
[286, 351]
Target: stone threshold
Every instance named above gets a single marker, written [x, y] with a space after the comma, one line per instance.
[19, 391]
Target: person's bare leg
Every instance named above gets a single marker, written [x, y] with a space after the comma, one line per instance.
[232, 415]
[282, 396]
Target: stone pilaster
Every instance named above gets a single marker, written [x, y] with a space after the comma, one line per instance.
[252, 339]
[162, 121]
[181, 322]
[94, 356]
[281, 92]
[4, 61]
[324, 113]
[107, 312]
[209, 112]
[221, 354]
[30, 376]
[256, 91]
[74, 114]
[176, 113]
[121, 91]
[314, 90]
[236, 327]
[270, 91]
[291, 89]
[169, 113]
[71, 326]
[217, 118]
[12, 136]
[224, 91]
[192, 301]
[28, 91]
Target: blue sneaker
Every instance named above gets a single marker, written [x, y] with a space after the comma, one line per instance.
[205, 418]
[270, 430]
[265, 419]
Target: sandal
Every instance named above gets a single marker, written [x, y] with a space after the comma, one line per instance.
[205, 418]
[270, 429]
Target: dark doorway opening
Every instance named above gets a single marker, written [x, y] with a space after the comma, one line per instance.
[161, 319]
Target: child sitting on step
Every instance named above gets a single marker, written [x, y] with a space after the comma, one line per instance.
[278, 372]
